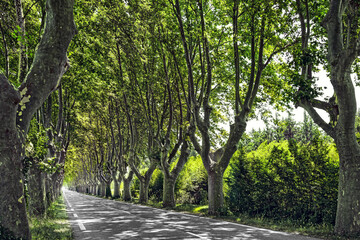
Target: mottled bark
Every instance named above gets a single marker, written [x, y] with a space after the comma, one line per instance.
[18, 107]
[116, 188]
[348, 208]
[103, 189]
[169, 192]
[49, 190]
[343, 49]
[127, 184]
[171, 176]
[215, 192]
[50, 60]
[36, 189]
[13, 218]
[144, 190]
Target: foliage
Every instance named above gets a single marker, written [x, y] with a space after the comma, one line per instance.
[54, 226]
[277, 129]
[36, 141]
[156, 186]
[191, 185]
[285, 179]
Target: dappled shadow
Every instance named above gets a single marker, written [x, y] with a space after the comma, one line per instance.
[106, 219]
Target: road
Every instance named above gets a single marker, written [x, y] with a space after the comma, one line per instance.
[96, 218]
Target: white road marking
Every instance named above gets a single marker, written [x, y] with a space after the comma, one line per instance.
[195, 235]
[67, 202]
[81, 225]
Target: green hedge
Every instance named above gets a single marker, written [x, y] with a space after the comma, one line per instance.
[285, 179]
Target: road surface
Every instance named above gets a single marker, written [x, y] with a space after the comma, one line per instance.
[96, 218]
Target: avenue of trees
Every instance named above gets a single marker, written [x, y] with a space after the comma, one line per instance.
[154, 101]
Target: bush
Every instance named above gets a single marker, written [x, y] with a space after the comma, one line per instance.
[285, 180]
[191, 185]
[156, 186]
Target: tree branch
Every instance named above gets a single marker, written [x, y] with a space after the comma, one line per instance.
[318, 119]
[50, 61]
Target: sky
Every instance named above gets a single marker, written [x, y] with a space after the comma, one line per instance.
[323, 81]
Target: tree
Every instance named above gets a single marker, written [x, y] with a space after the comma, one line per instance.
[341, 23]
[202, 55]
[19, 105]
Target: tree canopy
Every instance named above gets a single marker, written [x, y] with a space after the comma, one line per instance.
[152, 89]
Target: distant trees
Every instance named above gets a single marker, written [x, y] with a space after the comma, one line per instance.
[158, 81]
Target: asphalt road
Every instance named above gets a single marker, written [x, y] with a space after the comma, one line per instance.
[96, 218]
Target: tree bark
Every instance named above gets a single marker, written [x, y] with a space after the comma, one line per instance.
[127, 183]
[108, 190]
[49, 190]
[215, 192]
[171, 176]
[18, 107]
[13, 218]
[144, 190]
[103, 189]
[116, 188]
[36, 189]
[348, 208]
[169, 192]
[98, 190]
[343, 49]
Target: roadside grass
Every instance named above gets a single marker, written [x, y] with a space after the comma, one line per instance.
[54, 226]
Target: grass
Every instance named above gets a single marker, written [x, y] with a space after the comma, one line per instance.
[55, 226]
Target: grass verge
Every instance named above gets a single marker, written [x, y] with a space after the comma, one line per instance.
[54, 226]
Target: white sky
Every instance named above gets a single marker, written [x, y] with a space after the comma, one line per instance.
[323, 81]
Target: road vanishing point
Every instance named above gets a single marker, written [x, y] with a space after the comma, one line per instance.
[97, 218]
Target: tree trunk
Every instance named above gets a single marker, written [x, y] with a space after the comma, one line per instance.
[348, 208]
[103, 189]
[108, 190]
[215, 192]
[36, 189]
[13, 218]
[56, 185]
[48, 66]
[144, 190]
[169, 191]
[48, 190]
[116, 188]
[98, 190]
[127, 193]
